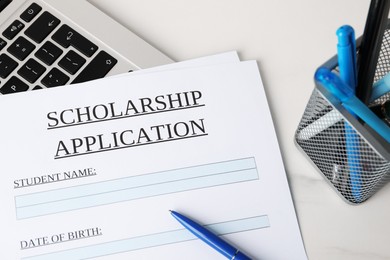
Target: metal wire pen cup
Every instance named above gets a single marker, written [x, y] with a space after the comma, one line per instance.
[321, 134]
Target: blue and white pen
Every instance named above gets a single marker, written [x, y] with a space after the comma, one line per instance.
[345, 95]
[380, 88]
[346, 54]
[210, 238]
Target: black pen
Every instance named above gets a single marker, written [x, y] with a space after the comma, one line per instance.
[210, 238]
[370, 46]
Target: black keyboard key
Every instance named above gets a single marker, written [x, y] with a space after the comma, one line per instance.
[66, 37]
[30, 12]
[21, 48]
[13, 29]
[13, 85]
[71, 62]
[7, 65]
[37, 87]
[48, 53]
[97, 68]
[4, 4]
[2, 44]
[42, 27]
[55, 78]
[31, 70]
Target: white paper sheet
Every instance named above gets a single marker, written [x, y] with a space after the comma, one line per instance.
[219, 58]
[92, 171]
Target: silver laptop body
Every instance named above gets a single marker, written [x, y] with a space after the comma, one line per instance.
[48, 43]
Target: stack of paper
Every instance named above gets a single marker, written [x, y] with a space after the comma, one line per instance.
[92, 170]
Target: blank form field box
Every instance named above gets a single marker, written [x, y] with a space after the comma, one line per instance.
[156, 239]
[135, 187]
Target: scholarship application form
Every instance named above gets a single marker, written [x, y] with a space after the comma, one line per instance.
[91, 171]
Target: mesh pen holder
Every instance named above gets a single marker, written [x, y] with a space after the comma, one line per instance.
[327, 133]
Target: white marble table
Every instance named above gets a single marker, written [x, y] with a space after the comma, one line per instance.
[290, 39]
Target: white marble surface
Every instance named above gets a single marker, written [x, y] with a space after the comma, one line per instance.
[290, 39]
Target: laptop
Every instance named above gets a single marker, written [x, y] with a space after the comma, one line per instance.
[51, 43]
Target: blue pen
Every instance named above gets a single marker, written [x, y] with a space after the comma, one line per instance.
[380, 88]
[346, 54]
[345, 95]
[211, 239]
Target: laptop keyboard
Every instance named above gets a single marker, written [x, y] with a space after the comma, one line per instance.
[41, 60]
